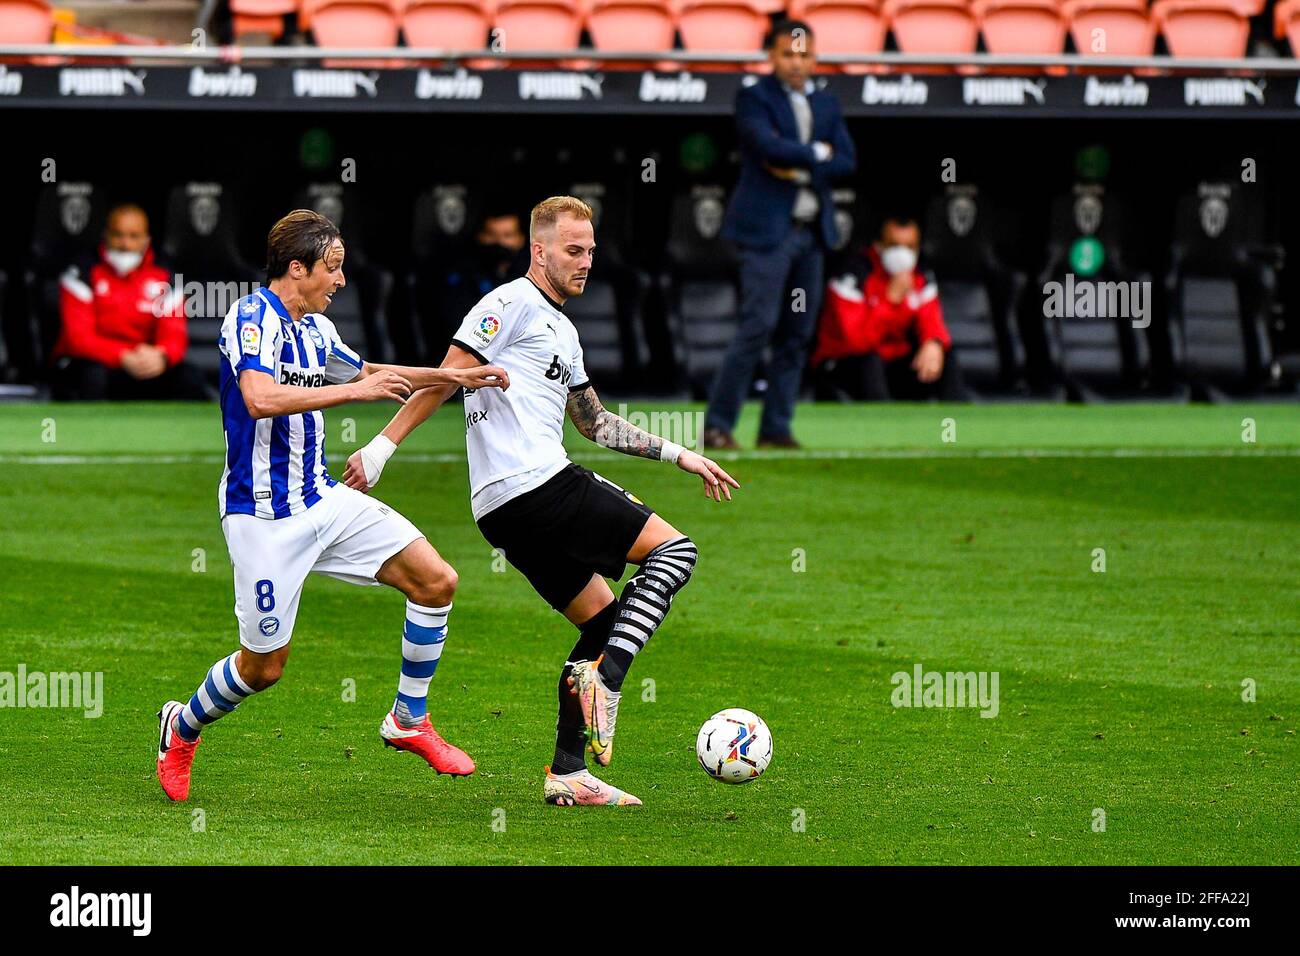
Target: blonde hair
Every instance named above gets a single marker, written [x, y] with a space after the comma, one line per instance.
[547, 212]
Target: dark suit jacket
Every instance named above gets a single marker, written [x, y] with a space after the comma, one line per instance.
[759, 213]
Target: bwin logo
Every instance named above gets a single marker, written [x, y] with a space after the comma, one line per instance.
[11, 82]
[904, 91]
[76, 909]
[232, 82]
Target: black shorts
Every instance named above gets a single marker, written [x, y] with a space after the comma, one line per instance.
[561, 533]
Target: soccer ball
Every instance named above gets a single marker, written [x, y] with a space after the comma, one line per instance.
[734, 745]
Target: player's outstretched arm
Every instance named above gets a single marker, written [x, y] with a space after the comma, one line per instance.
[479, 376]
[597, 423]
[264, 397]
[366, 465]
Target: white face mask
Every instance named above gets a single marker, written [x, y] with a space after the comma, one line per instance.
[123, 263]
[898, 259]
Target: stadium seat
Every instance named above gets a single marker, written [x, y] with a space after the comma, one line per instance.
[26, 21]
[360, 309]
[68, 227]
[932, 26]
[1021, 26]
[265, 17]
[1095, 355]
[447, 24]
[979, 294]
[1286, 24]
[738, 26]
[1221, 283]
[539, 24]
[1206, 28]
[844, 26]
[700, 289]
[353, 23]
[443, 222]
[1111, 27]
[649, 25]
[199, 243]
[610, 312]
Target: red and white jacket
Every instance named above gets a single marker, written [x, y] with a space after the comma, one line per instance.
[105, 314]
[857, 317]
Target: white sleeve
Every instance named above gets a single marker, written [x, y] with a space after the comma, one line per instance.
[251, 336]
[342, 362]
[488, 329]
[579, 381]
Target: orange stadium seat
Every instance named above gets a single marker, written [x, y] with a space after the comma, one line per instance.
[1021, 26]
[260, 16]
[447, 24]
[844, 26]
[25, 21]
[1286, 23]
[539, 24]
[932, 26]
[738, 26]
[1111, 27]
[353, 23]
[631, 24]
[1206, 28]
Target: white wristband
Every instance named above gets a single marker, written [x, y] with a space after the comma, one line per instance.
[374, 456]
[670, 451]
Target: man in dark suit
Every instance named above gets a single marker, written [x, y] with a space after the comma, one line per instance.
[794, 145]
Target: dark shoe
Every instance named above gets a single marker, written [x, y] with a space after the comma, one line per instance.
[717, 438]
[785, 441]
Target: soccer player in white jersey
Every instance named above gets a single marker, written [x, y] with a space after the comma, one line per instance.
[284, 516]
[566, 529]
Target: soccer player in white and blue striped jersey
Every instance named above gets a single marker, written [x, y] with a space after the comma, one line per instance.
[284, 516]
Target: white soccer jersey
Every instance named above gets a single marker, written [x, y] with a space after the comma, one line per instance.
[275, 467]
[515, 438]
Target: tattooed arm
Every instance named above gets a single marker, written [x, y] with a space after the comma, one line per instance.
[602, 426]
[599, 424]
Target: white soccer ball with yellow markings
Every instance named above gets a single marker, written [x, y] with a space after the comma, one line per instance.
[734, 745]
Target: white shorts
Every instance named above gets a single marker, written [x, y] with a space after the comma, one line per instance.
[346, 535]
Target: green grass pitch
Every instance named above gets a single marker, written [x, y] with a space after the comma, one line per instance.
[1120, 692]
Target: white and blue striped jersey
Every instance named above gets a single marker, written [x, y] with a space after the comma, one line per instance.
[275, 467]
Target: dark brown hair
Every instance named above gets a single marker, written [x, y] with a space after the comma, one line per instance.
[303, 234]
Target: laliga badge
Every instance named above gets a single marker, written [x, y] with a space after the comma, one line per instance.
[250, 336]
[487, 329]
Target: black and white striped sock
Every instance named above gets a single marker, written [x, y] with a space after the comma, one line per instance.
[644, 604]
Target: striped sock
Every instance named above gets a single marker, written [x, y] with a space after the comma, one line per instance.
[644, 604]
[217, 696]
[426, 629]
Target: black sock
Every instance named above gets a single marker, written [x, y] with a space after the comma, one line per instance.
[570, 729]
[644, 604]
